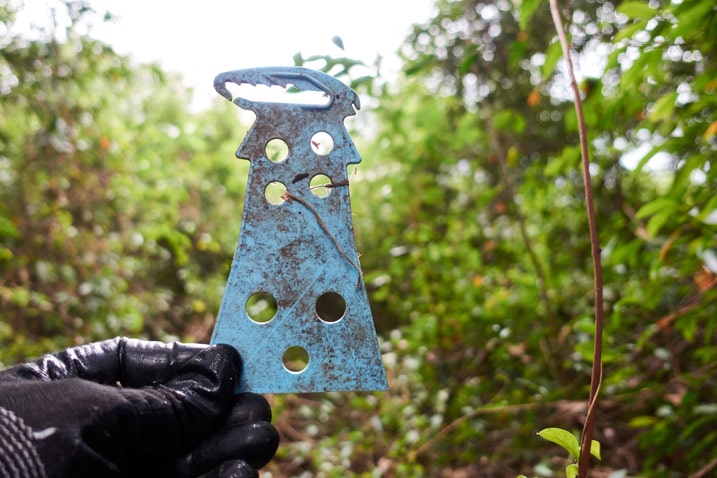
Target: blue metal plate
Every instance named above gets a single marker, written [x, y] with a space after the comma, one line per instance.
[297, 250]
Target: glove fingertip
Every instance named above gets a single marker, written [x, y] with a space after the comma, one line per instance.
[263, 441]
[249, 407]
[234, 469]
[254, 443]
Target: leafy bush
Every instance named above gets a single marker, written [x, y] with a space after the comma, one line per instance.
[117, 207]
[119, 212]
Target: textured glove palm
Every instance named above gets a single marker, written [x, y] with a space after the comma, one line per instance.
[127, 407]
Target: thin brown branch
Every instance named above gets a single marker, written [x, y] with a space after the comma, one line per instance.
[542, 276]
[596, 375]
[482, 411]
[708, 468]
[287, 196]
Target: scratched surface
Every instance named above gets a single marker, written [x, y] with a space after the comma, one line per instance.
[300, 249]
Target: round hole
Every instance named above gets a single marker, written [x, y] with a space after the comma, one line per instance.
[330, 307]
[318, 185]
[274, 192]
[296, 359]
[261, 307]
[322, 143]
[277, 150]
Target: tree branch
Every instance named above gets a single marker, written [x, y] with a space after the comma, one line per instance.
[596, 375]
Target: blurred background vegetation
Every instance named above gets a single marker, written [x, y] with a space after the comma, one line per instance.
[120, 209]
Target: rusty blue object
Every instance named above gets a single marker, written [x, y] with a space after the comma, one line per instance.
[296, 252]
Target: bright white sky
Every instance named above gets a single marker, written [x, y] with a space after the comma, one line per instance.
[202, 39]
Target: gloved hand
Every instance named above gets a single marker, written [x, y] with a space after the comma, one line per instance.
[127, 407]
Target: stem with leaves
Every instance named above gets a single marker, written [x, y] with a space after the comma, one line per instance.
[596, 375]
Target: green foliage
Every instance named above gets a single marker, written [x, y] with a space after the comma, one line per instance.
[569, 443]
[119, 212]
[117, 206]
[483, 258]
[563, 438]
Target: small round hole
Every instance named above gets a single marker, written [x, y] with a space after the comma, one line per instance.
[277, 150]
[318, 185]
[261, 307]
[274, 192]
[296, 359]
[322, 143]
[330, 307]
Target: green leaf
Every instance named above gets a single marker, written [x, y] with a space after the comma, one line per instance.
[659, 204]
[636, 10]
[571, 471]
[19, 296]
[635, 75]
[568, 159]
[663, 107]
[647, 158]
[298, 59]
[362, 80]
[8, 229]
[642, 421]
[629, 30]
[657, 221]
[682, 176]
[595, 449]
[707, 210]
[563, 438]
[508, 120]
[690, 18]
[517, 51]
[336, 40]
[526, 10]
[422, 63]
[552, 56]
[469, 60]
[706, 409]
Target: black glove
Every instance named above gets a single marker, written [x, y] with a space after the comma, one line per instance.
[127, 407]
